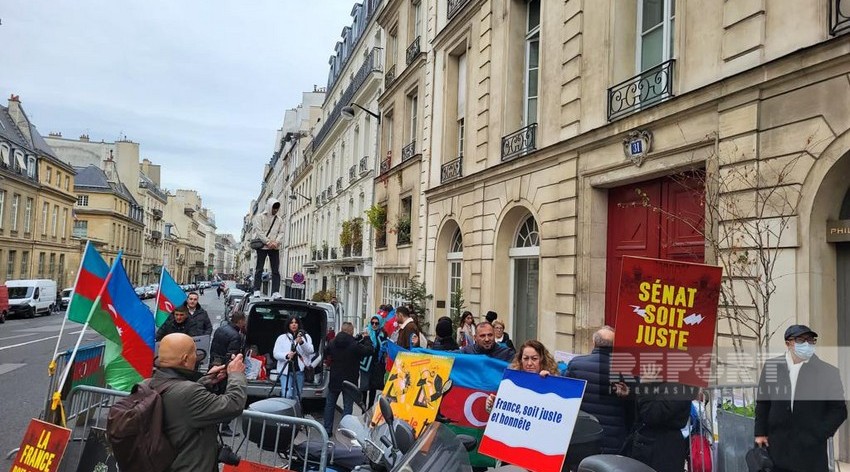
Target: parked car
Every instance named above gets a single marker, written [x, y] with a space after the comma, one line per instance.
[140, 292]
[266, 320]
[150, 290]
[233, 297]
[65, 298]
[4, 303]
[28, 298]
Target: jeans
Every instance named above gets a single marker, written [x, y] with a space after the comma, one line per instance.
[330, 408]
[296, 385]
[274, 262]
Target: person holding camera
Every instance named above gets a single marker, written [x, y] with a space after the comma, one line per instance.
[293, 350]
[190, 412]
[346, 352]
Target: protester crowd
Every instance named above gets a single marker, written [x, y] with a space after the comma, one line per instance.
[646, 418]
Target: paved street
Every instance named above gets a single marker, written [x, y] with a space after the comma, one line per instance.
[26, 347]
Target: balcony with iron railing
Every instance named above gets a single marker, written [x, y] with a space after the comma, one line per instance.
[352, 173]
[644, 90]
[454, 7]
[451, 170]
[413, 50]
[333, 253]
[156, 235]
[519, 143]
[408, 151]
[386, 164]
[364, 165]
[330, 192]
[372, 63]
[157, 214]
[389, 77]
[839, 16]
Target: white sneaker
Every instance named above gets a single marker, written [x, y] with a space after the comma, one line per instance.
[277, 295]
[258, 294]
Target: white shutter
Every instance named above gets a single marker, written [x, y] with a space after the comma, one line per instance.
[4, 154]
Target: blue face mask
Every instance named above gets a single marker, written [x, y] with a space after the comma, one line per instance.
[804, 351]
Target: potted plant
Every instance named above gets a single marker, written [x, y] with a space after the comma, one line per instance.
[345, 234]
[324, 250]
[357, 235]
[402, 228]
[376, 215]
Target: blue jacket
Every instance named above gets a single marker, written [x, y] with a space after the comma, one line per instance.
[599, 399]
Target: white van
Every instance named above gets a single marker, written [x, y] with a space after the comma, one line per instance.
[28, 298]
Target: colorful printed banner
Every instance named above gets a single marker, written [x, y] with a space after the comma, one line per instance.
[532, 420]
[666, 315]
[42, 447]
[415, 388]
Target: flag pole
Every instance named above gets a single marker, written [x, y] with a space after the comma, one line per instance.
[51, 368]
[95, 306]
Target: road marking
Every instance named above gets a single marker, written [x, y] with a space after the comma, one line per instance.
[6, 368]
[35, 341]
[17, 336]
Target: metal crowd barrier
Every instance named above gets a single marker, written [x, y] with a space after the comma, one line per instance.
[264, 438]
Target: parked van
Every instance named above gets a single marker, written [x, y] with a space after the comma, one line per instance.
[4, 303]
[65, 299]
[28, 298]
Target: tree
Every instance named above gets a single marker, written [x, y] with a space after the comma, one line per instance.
[416, 297]
[458, 307]
[750, 208]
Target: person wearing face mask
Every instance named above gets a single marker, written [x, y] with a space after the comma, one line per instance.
[799, 405]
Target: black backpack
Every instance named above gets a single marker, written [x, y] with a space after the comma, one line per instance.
[134, 428]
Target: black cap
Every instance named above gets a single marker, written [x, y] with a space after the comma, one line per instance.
[798, 330]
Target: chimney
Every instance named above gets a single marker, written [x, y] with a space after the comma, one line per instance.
[55, 134]
[84, 138]
[19, 117]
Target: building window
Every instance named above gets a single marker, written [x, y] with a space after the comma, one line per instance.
[20, 163]
[2, 206]
[67, 182]
[31, 163]
[81, 229]
[413, 105]
[28, 215]
[10, 265]
[25, 264]
[4, 154]
[58, 179]
[61, 268]
[390, 286]
[51, 269]
[403, 226]
[41, 259]
[64, 226]
[455, 260]
[392, 49]
[655, 21]
[16, 201]
[49, 174]
[532, 62]
[528, 236]
[45, 208]
[54, 221]
[82, 200]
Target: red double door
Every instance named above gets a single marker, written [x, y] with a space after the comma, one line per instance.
[669, 226]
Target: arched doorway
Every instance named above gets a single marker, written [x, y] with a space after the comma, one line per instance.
[525, 280]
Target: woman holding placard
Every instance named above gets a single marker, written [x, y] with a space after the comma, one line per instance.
[532, 357]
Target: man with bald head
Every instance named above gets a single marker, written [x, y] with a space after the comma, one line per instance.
[605, 398]
[191, 413]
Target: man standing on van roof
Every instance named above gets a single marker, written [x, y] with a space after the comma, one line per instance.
[268, 228]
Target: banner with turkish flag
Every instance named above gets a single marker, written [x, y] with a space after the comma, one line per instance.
[666, 319]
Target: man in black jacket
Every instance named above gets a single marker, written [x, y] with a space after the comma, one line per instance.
[799, 406]
[345, 352]
[606, 399]
[485, 343]
[197, 314]
[228, 340]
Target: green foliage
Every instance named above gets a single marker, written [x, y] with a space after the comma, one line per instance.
[376, 215]
[345, 234]
[416, 297]
[458, 307]
[748, 410]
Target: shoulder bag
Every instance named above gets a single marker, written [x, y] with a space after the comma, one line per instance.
[257, 243]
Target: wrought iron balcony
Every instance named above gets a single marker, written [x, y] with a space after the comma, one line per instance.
[644, 90]
[352, 173]
[333, 253]
[330, 192]
[386, 165]
[156, 235]
[157, 214]
[364, 165]
[455, 6]
[389, 77]
[451, 170]
[339, 184]
[413, 50]
[318, 199]
[839, 16]
[408, 151]
[519, 143]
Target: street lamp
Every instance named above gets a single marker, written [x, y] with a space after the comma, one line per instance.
[294, 197]
[348, 112]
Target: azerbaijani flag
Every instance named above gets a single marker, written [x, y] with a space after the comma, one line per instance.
[168, 296]
[129, 361]
[90, 279]
[390, 323]
[474, 377]
[532, 420]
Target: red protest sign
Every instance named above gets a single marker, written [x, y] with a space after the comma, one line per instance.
[42, 447]
[666, 315]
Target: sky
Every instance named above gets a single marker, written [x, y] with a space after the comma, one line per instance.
[201, 85]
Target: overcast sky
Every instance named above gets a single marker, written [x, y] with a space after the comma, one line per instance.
[201, 85]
